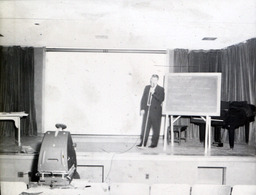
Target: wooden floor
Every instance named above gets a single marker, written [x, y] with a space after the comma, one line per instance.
[121, 144]
[117, 159]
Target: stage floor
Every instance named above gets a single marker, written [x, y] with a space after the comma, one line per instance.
[126, 144]
[117, 159]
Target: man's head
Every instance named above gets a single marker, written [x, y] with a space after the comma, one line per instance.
[154, 80]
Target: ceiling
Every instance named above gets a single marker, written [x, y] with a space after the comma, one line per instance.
[127, 24]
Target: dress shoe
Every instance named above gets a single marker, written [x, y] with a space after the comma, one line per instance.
[152, 146]
[140, 145]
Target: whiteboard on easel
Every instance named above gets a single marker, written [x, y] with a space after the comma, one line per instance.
[192, 94]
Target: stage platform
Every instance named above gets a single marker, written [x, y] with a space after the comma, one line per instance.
[111, 159]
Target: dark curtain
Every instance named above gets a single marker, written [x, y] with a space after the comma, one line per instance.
[238, 67]
[17, 88]
[180, 59]
[204, 61]
[195, 61]
[238, 79]
[239, 71]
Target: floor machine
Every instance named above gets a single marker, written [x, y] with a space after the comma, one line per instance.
[57, 164]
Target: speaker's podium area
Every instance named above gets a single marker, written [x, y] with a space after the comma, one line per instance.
[60, 163]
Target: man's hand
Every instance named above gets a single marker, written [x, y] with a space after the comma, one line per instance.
[152, 90]
[142, 112]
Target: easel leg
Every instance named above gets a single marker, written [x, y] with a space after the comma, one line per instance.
[172, 134]
[210, 132]
[165, 132]
[206, 136]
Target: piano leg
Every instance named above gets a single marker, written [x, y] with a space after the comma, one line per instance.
[231, 132]
[201, 132]
[217, 134]
[247, 129]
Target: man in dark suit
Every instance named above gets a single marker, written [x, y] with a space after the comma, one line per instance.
[151, 109]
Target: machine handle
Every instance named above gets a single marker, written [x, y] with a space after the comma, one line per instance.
[62, 126]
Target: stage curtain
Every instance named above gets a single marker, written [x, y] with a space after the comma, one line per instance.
[237, 64]
[17, 88]
[180, 60]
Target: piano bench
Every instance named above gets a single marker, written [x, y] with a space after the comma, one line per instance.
[177, 130]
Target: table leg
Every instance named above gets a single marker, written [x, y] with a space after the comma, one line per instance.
[17, 125]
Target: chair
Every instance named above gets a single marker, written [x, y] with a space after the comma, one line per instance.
[173, 189]
[244, 190]
[129, 188]
[177, 130]
[209, 189]
[12, 188]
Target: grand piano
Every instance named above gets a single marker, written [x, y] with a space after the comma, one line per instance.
[234, 114]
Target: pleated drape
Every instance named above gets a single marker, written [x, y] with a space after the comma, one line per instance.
[238, 67]
[17, 88]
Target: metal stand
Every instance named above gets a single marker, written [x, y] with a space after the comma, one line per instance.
[146, 123]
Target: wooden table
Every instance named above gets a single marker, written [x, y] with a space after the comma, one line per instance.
[15, 116]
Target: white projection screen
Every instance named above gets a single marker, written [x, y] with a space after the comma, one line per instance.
[98, 93]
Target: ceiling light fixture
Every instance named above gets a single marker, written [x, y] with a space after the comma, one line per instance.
[209, 38]
[101, 36]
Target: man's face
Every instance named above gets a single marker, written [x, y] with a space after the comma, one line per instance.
[153, 81]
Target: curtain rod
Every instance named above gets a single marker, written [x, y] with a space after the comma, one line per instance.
[106, 50]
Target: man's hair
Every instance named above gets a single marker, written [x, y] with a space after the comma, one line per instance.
[155, 76]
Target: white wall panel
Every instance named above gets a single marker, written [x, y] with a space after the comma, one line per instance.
[98, 93]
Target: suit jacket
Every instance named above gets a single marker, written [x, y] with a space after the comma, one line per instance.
[156, 102]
